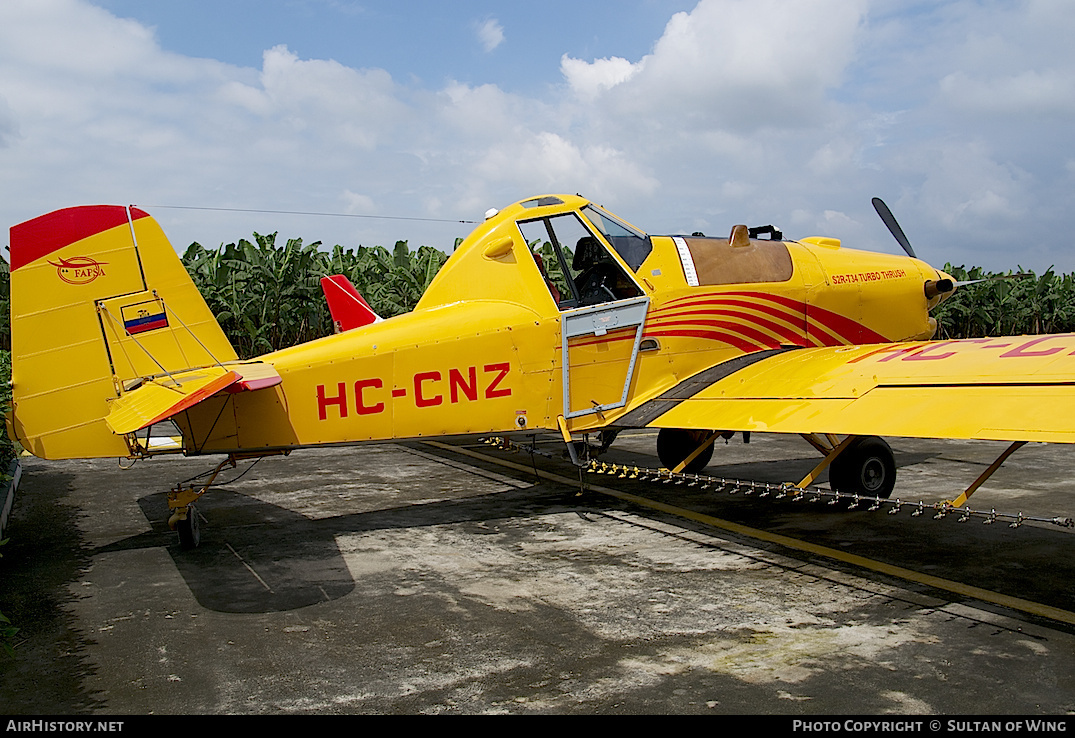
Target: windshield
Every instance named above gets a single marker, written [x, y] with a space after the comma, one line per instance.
[632, 246]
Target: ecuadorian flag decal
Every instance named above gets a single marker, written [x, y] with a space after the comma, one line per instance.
[144, 316]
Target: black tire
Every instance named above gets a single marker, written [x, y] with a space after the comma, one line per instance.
[866, 468]
[676, 444]
[189, 532]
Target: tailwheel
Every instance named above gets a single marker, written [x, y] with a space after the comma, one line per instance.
[676, 444]
[187, 528]
[866, 468]
[184, 518]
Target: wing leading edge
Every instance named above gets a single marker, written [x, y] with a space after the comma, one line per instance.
[1011, 389]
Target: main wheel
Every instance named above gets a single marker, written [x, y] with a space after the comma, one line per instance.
[189, 533]
[866, 467]
[676, 444]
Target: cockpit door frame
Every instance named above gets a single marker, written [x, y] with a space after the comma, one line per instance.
[597, 320]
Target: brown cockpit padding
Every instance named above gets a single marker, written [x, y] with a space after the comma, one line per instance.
[718, 262]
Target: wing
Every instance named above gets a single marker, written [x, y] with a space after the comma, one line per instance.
[161, 398]
[1014, 389]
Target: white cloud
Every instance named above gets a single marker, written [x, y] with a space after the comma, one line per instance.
[1029, 92]
[588, 79]
[490, 34]
[737, 190]
[545, 162]
[968, 189]
[358, 204]
[734, 63]
[9, 125]
[326, 99]
[766, 111]
[486, 112]
[78, 39]
[835, 156]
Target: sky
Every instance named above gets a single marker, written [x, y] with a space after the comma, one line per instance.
[403, 120]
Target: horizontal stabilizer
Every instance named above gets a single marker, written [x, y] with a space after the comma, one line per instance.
[163, 397]
[254, 375]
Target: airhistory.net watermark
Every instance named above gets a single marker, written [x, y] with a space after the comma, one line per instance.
[64, 726]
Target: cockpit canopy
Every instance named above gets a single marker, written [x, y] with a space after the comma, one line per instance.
[577, 267]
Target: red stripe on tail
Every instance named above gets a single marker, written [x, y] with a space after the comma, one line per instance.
[44, 235]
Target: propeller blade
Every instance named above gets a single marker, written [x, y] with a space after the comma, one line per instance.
[965, 282]
[893, 226]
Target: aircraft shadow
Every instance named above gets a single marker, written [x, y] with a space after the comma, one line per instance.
[257, 557]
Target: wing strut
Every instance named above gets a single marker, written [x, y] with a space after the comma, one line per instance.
[962, 499]
[830, 455]
[709, 439]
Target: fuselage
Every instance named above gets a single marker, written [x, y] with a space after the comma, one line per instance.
[553, 308]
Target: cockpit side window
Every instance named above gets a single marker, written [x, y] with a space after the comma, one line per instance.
[576, 266]
[632, 246]
[547, 255]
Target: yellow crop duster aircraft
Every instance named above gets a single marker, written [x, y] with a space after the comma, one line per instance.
[553, 315]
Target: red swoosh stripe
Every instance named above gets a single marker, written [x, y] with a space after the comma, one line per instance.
[831, 328]
[795, 322]
[739, 319]
[783, 321]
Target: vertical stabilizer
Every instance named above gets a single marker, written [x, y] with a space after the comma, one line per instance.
[99, 301]
[348, 308]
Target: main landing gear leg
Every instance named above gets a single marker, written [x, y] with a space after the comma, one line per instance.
[858, 465]
[687, 451]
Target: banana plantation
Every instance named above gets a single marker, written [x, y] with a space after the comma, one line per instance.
[1007, 304]
[268, 296]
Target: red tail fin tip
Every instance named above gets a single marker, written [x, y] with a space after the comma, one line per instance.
[348, 309]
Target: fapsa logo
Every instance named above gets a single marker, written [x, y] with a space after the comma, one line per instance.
[79, 269]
